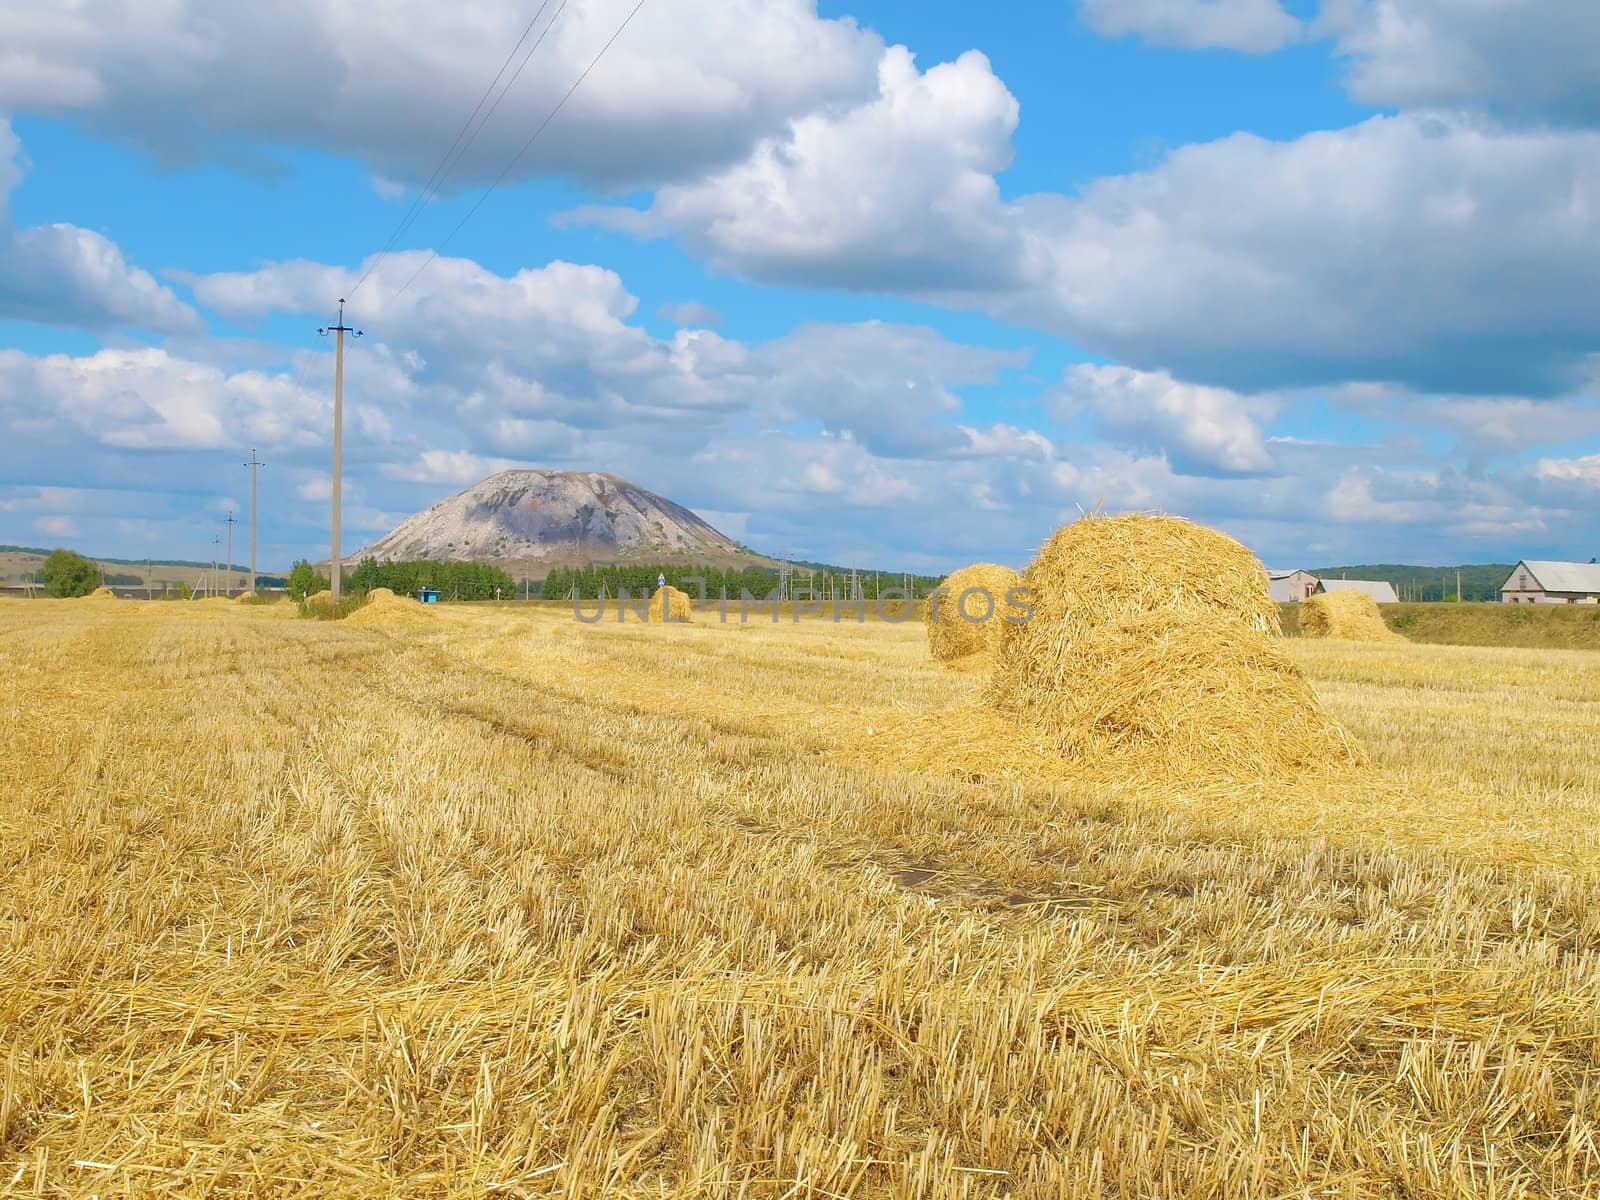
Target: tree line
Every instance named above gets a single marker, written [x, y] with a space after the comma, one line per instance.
[1479, 581]
[452, 580]
[639, 579]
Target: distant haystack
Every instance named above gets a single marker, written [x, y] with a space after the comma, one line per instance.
[1347, 614]
[1152, 657]
[968, 618]
[322, 597]
[385, 609]
[102, 593]
[669, 604]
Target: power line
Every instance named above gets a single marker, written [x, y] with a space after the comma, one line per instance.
[464, 138]
[517, 157]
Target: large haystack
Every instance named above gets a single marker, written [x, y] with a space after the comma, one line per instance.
[1347, 614]
[1152, 660]
[968, 618]
[677, 606]
[1153, 650]
[385, 609]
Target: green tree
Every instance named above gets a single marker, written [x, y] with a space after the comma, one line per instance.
[368, 575]
[68, 573]
[305, 581]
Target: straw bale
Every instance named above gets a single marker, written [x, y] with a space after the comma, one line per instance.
[1152, 656]
[677, 605]
[385, 609]
[956, 632]
[1346, 614]
[1154, 644]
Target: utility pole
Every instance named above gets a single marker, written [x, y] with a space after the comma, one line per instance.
[211, 580]
[1458, 587]
[230, 523]
[338, 331]
[253, 464]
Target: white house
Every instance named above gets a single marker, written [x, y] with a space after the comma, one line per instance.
[1285, 586]
[1380, 591]
[1540, 582]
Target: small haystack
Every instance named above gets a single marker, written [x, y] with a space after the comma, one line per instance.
[1347, 614]
[677, 606]
[322, 597]
[102, 593]
[970, 617]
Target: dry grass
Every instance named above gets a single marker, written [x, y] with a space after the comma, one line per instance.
[549, 909]
[1346, 614]
[970, 619]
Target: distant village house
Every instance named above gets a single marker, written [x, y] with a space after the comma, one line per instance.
[1539, 582]
[1288, 586]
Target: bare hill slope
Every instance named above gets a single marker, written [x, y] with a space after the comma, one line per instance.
[554, 518]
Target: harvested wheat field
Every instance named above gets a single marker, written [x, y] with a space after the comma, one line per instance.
[970, 619]
[521, 906]
[1346, 614]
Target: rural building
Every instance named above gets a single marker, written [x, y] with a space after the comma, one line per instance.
[1284, 586]
[1540, 582]
[1381, 592]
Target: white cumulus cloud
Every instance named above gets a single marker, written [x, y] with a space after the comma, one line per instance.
[65, 275]
[1202, 430]
[1253, 26]
[687, 85]
[1525, 59]
[897, 193]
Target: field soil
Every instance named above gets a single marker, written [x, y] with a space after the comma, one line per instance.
[508, 904]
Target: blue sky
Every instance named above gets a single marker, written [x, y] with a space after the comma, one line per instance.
[902, 284]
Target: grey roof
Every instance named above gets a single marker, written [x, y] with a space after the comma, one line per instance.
[1379, 590]
[1561, 576]
[1275, 573]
